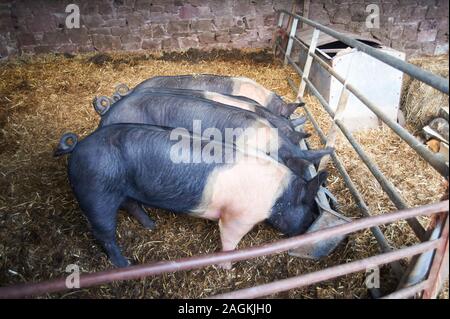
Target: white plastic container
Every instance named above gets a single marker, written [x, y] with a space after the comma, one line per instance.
[377, 81]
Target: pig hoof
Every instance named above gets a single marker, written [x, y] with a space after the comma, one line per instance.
[121, 262]
[225, 266]
[150, 224]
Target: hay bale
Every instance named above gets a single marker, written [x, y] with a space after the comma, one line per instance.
[420, 102]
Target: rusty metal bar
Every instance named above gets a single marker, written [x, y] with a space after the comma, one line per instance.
[443, 261]
[437, 163]
[141, 271]
[385, 184]
[429, 78]
[419, 266]
[438, 262]
[328, 273]
[342, 80]
[376, 231]
[409, 291]
[280, 25]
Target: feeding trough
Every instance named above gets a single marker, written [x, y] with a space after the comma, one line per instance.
[326, 216]
[379, 82]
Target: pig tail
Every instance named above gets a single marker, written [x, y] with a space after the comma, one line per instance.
[122, 90]
[116, 97]
[67, 143]
[101, 104]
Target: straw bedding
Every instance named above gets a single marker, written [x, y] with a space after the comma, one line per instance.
[42, 229]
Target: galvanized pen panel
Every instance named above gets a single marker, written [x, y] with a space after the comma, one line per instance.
[387, 186]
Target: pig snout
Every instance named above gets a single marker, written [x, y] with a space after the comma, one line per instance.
[293, 212]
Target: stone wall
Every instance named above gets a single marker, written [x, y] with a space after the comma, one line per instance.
[37, 26]
[413, 26]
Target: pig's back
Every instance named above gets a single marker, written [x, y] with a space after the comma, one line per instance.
[176, 110]
[207, 82]
[136, 160]
[236, 86]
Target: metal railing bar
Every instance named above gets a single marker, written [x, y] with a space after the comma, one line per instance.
[305, 46]
[141, 271]
[308, 63]
[419, 266]
[429, 78]
[376, 231]
[440, 260]
[290, 41]
[437, 163]
[333, 131]
[280, 20]
[409, 291]
[328, 273]
[385, 184]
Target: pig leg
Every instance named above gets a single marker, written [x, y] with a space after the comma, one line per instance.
[102, 216]
[136, 210]
[231, 233]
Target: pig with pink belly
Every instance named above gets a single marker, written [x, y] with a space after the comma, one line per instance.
[236, 86]
[129, 165]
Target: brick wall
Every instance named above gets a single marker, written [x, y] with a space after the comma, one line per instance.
[37, 26]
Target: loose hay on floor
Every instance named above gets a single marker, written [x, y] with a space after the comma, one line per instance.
[42, 229]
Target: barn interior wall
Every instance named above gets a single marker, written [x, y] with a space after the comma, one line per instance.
[416, 27]
[39, 26]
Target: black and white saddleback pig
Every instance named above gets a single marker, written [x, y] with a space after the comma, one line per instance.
[169, 109]
[126, 165]
[103, 103]
[237, 86]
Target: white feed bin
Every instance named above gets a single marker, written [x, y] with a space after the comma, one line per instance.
[377, 81]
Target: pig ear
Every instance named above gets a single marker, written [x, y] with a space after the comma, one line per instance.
[315, 155]
[312, 187]
[297, 165]
[299, 121]
[289, 108]
[296, 137]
